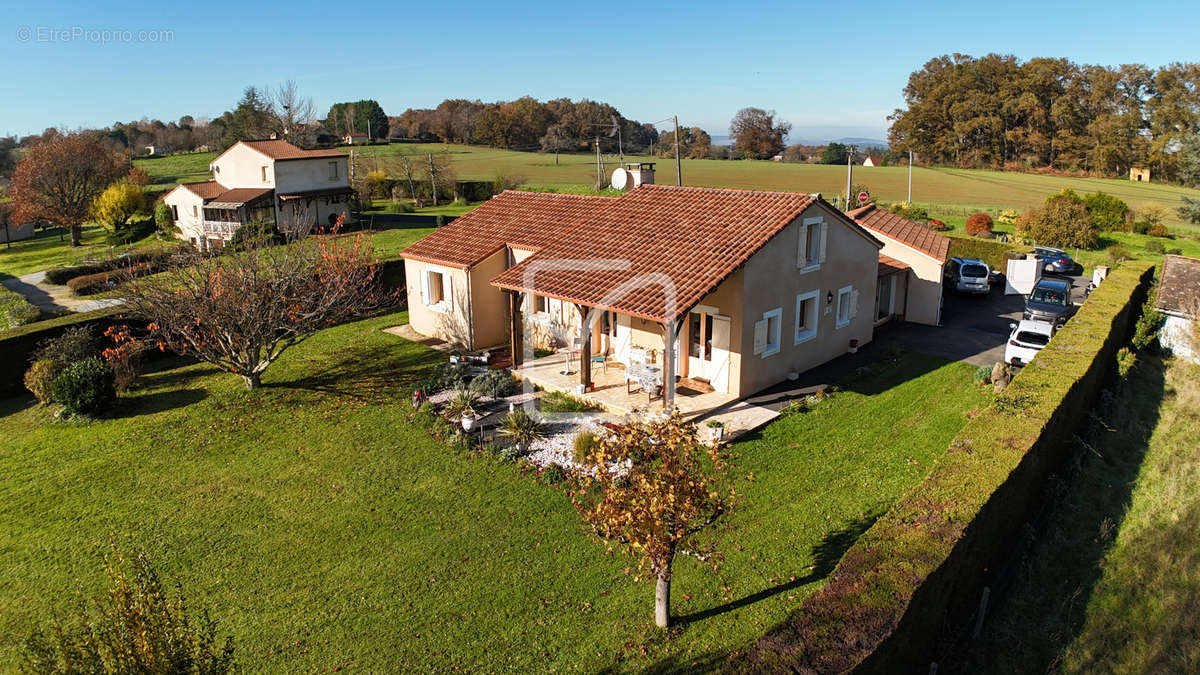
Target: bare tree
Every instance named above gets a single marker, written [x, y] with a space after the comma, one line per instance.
[295, 112]
[402, 165]
[241, 311]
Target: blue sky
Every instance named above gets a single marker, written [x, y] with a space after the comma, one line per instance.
[831, 69]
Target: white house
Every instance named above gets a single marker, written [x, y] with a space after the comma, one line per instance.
[914, 291]
[1179, 300]
[269, 181]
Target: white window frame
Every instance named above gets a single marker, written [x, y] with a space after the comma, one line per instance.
[774, 337]
[264, 173]
[809, 333]
[845, 295]
[809, 228]
[444, 305]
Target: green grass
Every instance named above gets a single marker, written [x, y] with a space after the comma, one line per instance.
[1110, 583]
[181, 168]
[326, 531]
[558, 402]
[42, 253]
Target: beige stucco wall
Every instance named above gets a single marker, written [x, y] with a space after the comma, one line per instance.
[925, 287]
[241, 166]
[772, 280]
[298, 175]
[899, 289]
[489, 305]
[452, 325]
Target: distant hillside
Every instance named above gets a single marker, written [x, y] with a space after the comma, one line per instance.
[862, 142]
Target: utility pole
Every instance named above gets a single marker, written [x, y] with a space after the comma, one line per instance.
[433, 179]
[678, 166]
[368, 130]
[849, 173]
[599, 170]
[909, 200]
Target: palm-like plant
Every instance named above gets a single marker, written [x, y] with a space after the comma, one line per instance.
[462, 403]
[523, 428]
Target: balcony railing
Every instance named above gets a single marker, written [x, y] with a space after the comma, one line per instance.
[223, 227]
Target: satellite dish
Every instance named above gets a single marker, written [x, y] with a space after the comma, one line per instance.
[620, 179]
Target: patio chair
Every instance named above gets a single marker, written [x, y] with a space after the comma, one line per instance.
[602, 359]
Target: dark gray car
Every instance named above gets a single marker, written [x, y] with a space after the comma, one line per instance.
[1050, 300]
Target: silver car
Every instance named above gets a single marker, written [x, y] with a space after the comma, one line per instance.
[969, 275]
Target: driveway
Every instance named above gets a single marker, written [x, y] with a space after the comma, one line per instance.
[52, 298]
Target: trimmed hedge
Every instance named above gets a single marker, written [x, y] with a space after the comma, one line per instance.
[921, 566]
[994, 253]
[89, 284]
[15, 310]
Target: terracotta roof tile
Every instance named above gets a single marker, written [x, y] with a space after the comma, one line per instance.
[281, 149]
[206, 190]
[1179, 288]
[240, 195]
[902, 229]
[889, 265]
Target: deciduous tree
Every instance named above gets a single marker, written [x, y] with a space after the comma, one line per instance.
[651, 491]
[119, 202]
[59, 177]
[242, 310]
[756, 132]
[1062, 222]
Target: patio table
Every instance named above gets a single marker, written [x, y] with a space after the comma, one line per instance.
[648, 377]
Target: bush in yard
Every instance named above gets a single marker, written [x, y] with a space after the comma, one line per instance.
[978, 222]
[138, 628]
[86, 387]
[522, 428]
[39, 379]
[495, 383]
[938, 226]
[674, 489]
[1125, 360]
[15, 310]
[1149, 321]
[1109, 212]
[163, 220]
[1158, 230]
[585, 442]
[1154, 246]
[462, 403]
[1063, 222]
[75, 344]
[91, 284]
[909, 211]
[553, 475]
[982, 375]
[558, 402]
[127, 233]
[1118, 253]
[1008, 216]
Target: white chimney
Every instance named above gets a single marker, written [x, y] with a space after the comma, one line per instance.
[633, 175]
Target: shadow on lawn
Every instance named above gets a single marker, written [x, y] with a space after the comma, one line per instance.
[160, 401]
[1043, 589]
[361, 374]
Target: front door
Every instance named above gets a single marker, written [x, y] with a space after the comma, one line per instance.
[708, 349]
[883, 297]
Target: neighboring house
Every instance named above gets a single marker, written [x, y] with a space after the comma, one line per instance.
[752, 285]
[13, 232]
[158, 150]
[1179, 300]
[873, 160]
[269, 181]
[1139, 175]
[919, 253]
[356, 139]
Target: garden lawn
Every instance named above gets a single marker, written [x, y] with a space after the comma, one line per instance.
[325, 531]
[44, 252]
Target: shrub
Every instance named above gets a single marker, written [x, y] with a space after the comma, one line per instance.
[585, 442]
[163, 220]
[255, 233]
[1174, 251]
[75, 344]
[15, 310]
[1158, 230]
[985, 234]
[127, 233]
[978, 222]
[511, 453]
[138, 629]
[1063, 222]
[1149, 321]
[398, 207]
[982, 375]
[1155, 246]
[85, 387]
[522, 428]
[1008, 216]
[495, 383]
[1118, 253]
[39, 379]
[559, 402]
[553, 474]
[462, 403]
[1125, 360]
[1108, 211]
[938, 226]
[91, 284]
[909, 211]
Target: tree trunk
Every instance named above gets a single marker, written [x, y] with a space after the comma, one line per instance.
[76, 235]
[253, 380]
[662, 599]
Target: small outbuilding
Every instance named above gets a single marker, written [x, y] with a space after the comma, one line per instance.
[1139, 175]
[873, 160]
[1179, 300]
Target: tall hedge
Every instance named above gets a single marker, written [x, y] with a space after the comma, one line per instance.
[922, 565]
[994, 253]
[17, 344]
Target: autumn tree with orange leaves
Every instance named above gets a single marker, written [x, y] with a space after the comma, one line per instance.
[650, 490]
[242, 310]
[60, 176]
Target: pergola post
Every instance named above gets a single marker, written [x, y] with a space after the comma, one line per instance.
[670, 331]
[585, 349]
[516, 329]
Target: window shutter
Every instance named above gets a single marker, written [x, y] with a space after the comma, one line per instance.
[447, 290]
[760, 336]
[802, 252]
[425, 287]
[853, 303]
[822, 231]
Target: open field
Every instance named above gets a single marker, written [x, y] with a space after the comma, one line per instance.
[326, 531]
[1110, 581]
[940, 189]
[44, 252]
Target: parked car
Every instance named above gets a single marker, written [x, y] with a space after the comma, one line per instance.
[1054, 260]
[969, 275]
[1050, 300]
[1027, 339]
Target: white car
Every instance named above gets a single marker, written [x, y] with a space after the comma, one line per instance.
[1027, 339]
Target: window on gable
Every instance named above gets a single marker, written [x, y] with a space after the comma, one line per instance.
[333, 171]
[264, 174]
[812, 244]
[806, 316]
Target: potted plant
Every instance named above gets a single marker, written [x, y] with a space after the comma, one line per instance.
[468, 418]
[717, 429]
